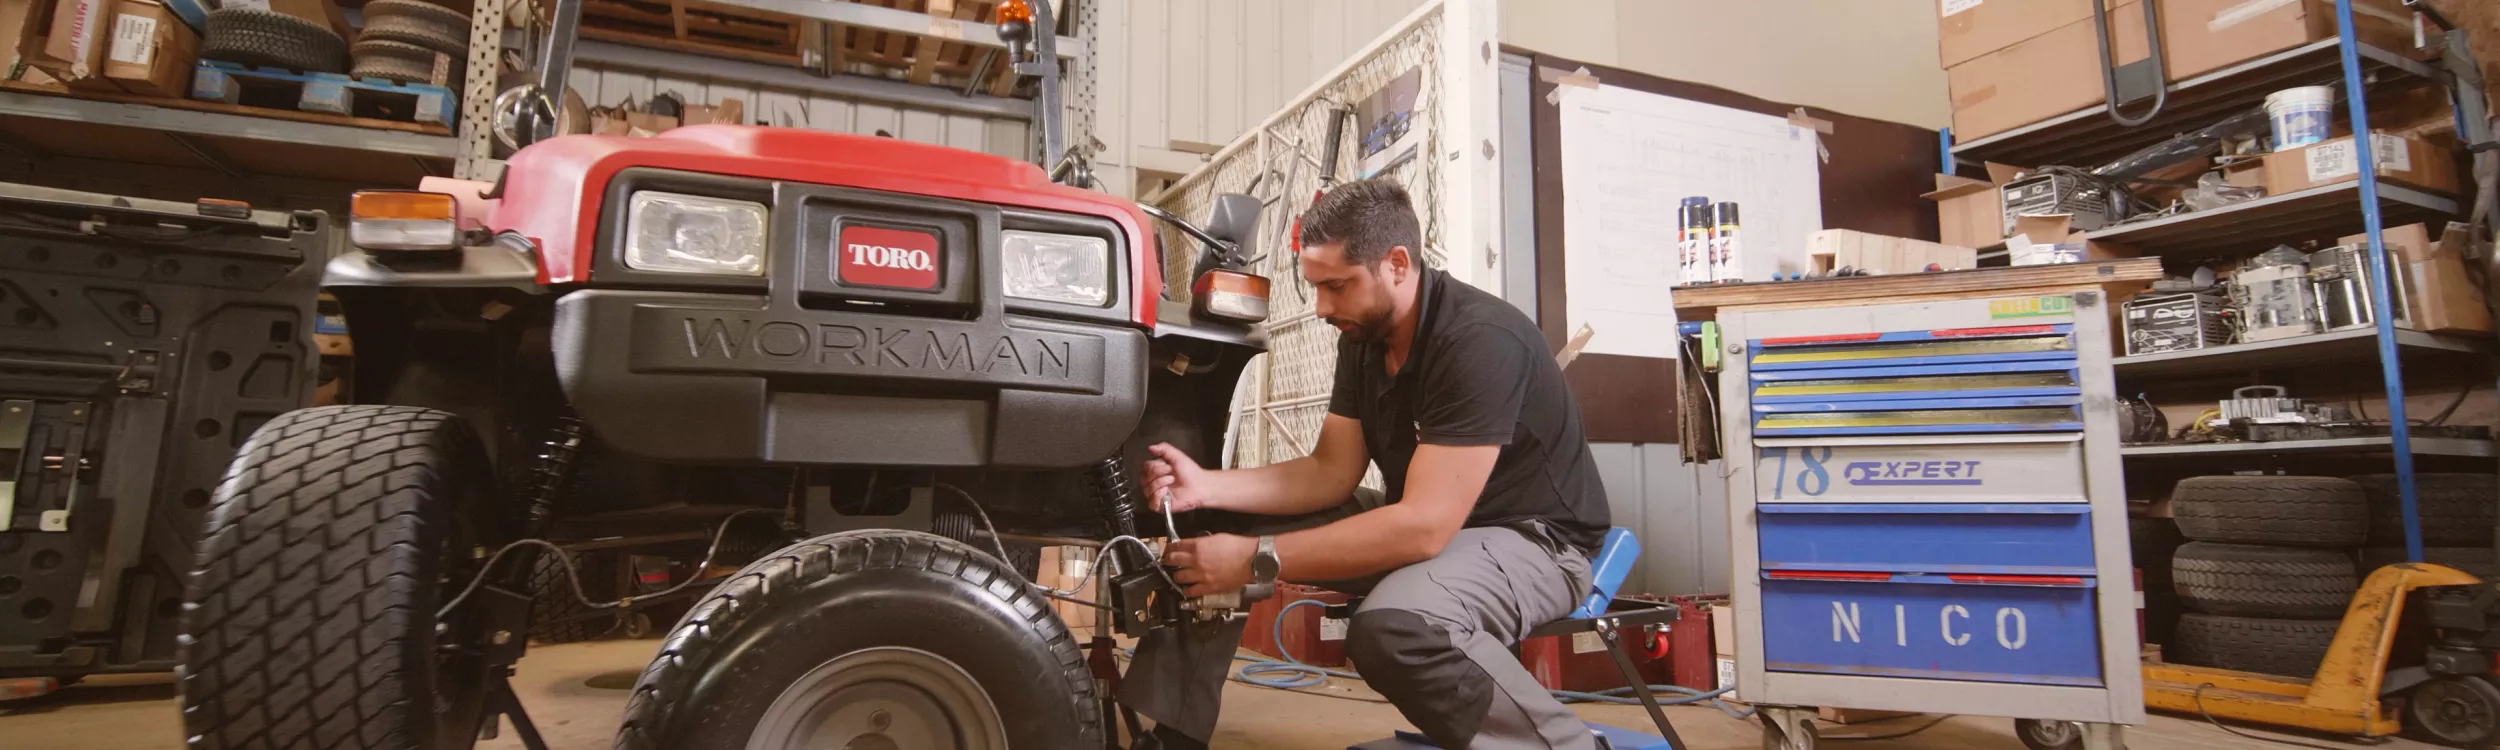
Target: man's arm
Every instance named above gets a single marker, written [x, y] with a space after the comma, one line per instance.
[1315, 482]
[1441, 488]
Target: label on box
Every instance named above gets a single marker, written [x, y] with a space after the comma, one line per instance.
[2337, 160]
[1587, 643]
[1332, 628]
[134, 40]
[1956, 6]
[1727, 672]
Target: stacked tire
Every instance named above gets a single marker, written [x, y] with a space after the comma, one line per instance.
[409, 40]
[2457, 512]
[2267, 572]
[269, 39]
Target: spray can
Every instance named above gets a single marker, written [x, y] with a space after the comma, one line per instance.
[1693, 247]
[1725, 266]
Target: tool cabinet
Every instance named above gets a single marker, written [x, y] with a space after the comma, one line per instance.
[1927, 514]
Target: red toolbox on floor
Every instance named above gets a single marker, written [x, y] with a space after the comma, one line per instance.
[1580, 663]
[1313, 639]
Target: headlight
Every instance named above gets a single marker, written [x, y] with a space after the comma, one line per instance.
[1057, 267]
[677, 233]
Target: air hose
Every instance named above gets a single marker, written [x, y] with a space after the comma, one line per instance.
[1291, 674]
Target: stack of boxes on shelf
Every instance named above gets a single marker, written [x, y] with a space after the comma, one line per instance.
[141, 47]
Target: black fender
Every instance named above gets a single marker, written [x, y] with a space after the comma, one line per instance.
[503, 262]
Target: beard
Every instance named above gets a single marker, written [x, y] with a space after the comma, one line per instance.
[1365, 329]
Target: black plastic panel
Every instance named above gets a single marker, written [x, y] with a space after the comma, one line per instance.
[150, 348]
[745, 378]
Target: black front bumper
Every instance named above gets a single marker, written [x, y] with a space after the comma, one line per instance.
[729, 378]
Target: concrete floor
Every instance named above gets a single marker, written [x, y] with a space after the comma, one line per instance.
[576, 693]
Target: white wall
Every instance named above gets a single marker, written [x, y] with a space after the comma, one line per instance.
[1176, 77]
[1871, 58]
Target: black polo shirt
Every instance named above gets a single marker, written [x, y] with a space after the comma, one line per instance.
[1479, 375]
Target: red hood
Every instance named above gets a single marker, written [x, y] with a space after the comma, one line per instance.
[552, 190]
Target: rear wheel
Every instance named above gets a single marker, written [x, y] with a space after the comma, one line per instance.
[867, 639]
[2457, 711]
[310, 619]
[556, 614]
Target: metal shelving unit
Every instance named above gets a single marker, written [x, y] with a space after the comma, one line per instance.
[2305, 351]
[189, 122]
[2366, 206]
[2419, 446]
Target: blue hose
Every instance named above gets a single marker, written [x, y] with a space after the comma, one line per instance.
[1291, 674]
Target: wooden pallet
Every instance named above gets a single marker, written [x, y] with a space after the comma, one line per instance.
[922, 58]
[698, 27]
[328, 93]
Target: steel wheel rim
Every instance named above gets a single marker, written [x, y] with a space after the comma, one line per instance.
[2454, 711]
[2054, 733]
[886, 698]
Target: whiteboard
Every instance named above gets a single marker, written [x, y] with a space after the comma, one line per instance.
[1628, 158]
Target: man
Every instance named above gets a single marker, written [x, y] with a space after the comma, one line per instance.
[1492, 507]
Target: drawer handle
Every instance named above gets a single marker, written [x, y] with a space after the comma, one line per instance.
[1824, 575]
[1995, 331]
[2016, 580]
[1837, 338]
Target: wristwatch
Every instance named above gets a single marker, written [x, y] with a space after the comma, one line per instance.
[1264, 567]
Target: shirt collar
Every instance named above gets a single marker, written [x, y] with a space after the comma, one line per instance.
[1375, 355]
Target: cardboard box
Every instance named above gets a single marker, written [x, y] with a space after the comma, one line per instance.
[2245, 171]
[727, 112]
[152, 51]
[1832, 249]
[1966, 29]
[71, 41]
[2439, 296]
[1971, 213]
[2050, 239]
[2407, 161]
[2041, 77]
[2201, 36]
[1723, 642]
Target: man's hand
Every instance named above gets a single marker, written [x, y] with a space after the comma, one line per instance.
[1212, 564]
[1175, 476]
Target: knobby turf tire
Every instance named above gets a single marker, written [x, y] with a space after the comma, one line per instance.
[813, 602]
[396, 61]
[258, 37]
[2247, 580]
[1024, 557]
[2457, 510]
[309, 618]
[2292, 648]
[2292, 511]
[556, 615]
[424, 24]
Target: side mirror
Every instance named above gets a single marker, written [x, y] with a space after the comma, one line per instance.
[1235, 219]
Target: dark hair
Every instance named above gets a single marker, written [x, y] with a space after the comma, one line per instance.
[1369, 216]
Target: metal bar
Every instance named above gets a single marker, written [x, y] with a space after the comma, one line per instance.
[17, 419]
[2426, 446]
[1640, 685]
[902, 22]
[476, 147]
[152, 117]
[2391, 365]
[607, 54]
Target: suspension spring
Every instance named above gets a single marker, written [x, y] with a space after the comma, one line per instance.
[1116, 487]
[558, 459]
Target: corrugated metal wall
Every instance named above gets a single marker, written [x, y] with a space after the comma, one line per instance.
[1205, 71]
[606, 85]
[1678, 510]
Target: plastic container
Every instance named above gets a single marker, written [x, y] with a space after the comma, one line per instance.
[2300, 115]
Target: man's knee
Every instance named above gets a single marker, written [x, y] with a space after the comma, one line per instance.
[1419, 665]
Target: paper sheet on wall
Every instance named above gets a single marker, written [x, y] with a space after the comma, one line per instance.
[1628, 157]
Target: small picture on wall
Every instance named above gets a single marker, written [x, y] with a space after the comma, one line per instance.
[1388, 131]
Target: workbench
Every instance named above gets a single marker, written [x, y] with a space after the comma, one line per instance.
[1926, 508]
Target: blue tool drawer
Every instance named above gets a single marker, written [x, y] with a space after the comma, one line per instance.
[2039, 631]
[2009, 539]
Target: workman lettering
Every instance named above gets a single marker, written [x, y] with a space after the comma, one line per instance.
[893, 257]
[1953, 626]
[1924, 473]
[876, 346]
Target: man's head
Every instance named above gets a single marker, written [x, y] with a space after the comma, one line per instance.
[1359, 249]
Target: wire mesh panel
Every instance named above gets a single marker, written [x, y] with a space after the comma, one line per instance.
[1280, 163]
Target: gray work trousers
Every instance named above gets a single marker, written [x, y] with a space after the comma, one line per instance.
[1434, 637]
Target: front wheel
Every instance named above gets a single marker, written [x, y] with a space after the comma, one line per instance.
[2456, 711]
[867, 639]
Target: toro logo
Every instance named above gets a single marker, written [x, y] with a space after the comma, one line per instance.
[876, 256]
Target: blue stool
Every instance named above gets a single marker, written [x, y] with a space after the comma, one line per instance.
[1606, 573]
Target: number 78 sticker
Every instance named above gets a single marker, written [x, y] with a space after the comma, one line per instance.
[1812, 479]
